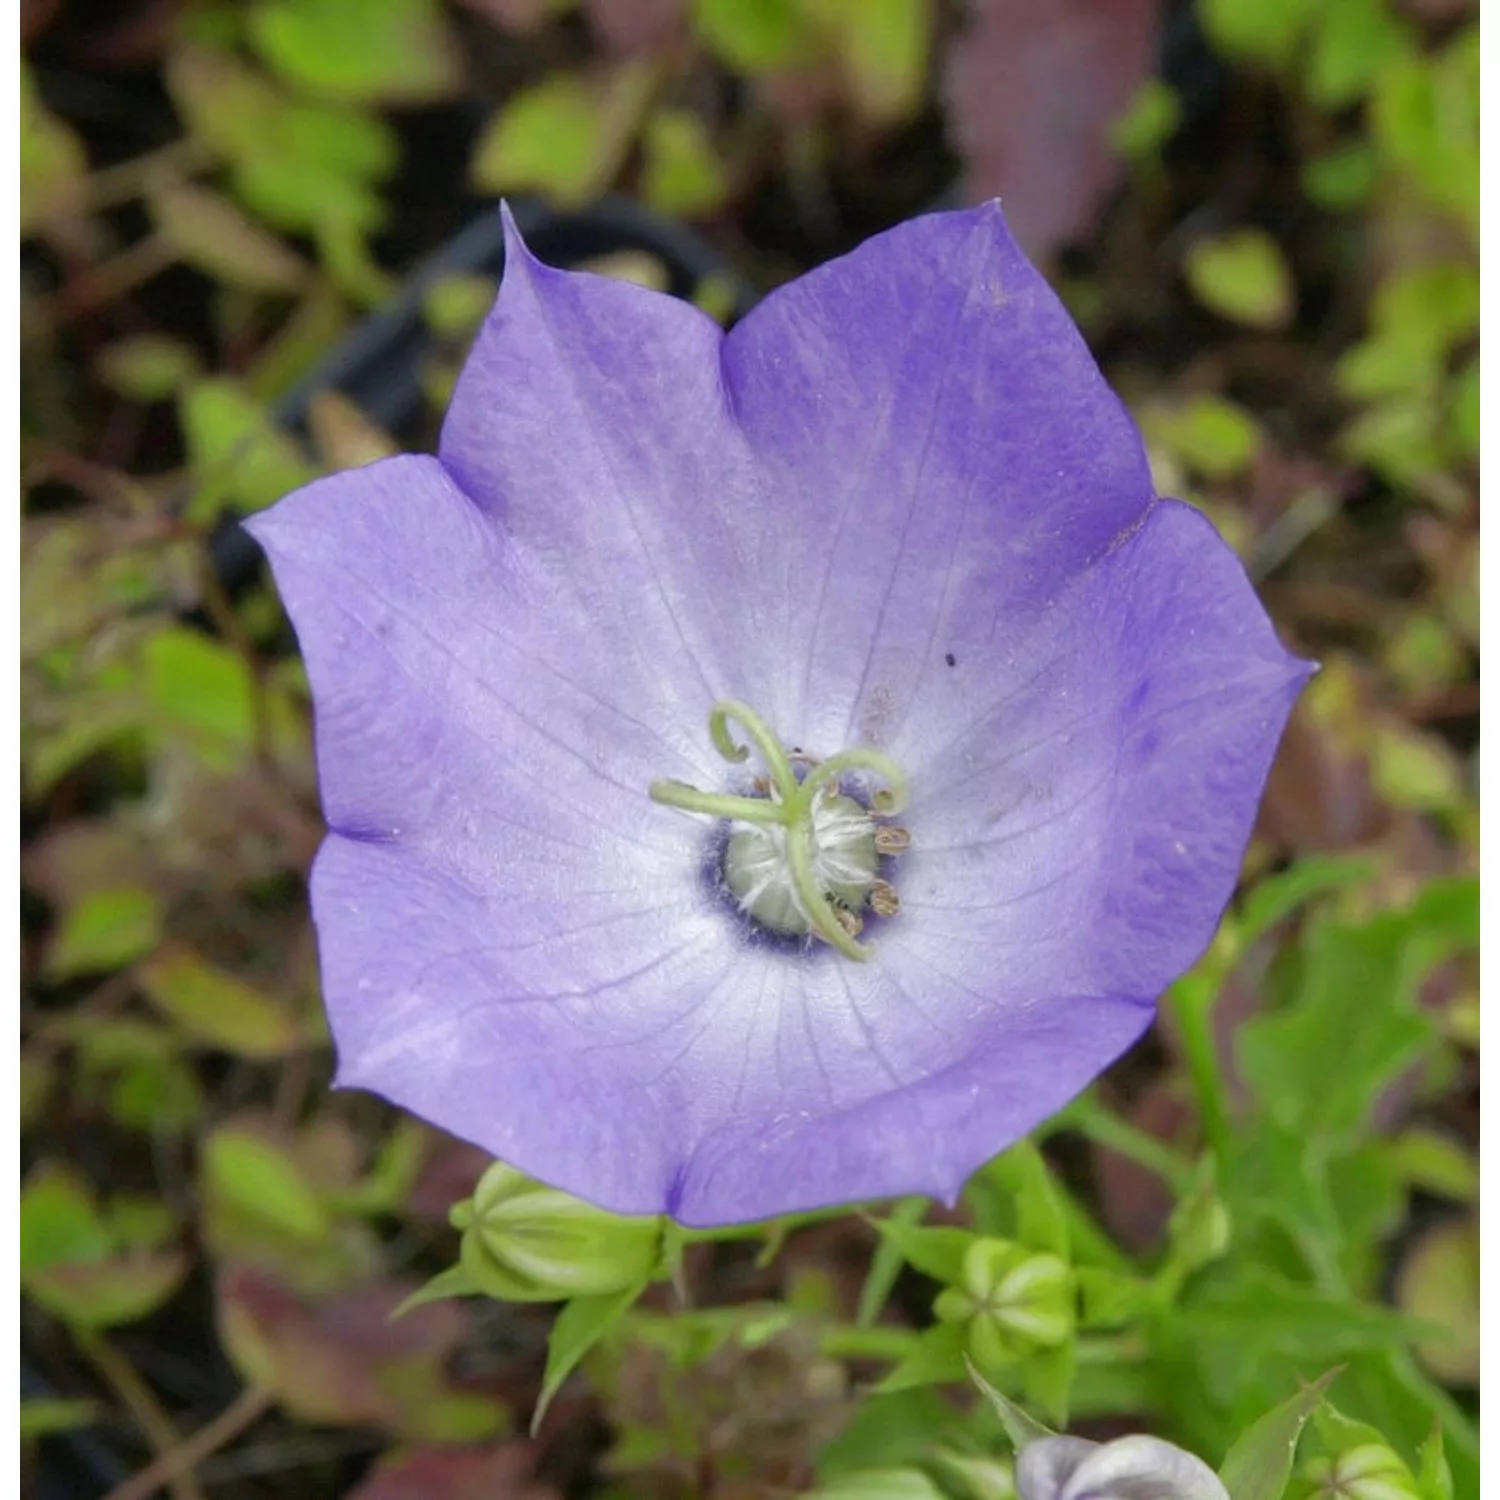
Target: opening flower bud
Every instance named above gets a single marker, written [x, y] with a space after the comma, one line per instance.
[1014, 1300]
[1370, 1471]
[525, 1242]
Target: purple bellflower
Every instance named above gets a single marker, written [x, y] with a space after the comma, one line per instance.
[771, 769]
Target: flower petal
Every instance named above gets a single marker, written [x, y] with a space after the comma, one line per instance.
[952, 454]
[1043, 1467]
[1141, 1468]
[460, 700]
[897, 505]
[1081, 830]
[590, 423]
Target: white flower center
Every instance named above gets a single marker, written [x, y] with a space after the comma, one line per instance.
[758, 868]
[802, 858]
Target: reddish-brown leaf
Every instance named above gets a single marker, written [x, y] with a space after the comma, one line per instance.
[1033, 88]
[455, 1473]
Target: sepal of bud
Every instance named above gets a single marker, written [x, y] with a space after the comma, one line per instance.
[1351, 1460]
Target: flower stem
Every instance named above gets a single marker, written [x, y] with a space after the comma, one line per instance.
[140, 1401]
[1090, 1118]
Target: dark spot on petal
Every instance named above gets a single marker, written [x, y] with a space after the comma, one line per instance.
[951, 659]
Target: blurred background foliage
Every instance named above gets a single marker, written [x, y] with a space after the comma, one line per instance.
[1264, 214]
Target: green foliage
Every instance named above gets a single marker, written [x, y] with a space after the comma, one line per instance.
[300, 164]
[1152, 120]
[884, 48]
[565, 137]
[241, 458]
[148, 367]
[1352, 43]
[43, 1415]
[1420, 321]
[248, 1176]
[376, 51]
[1260, 1463]
[1424, 117]
[1261, 31]
[579, 1326]
[1439, 1284]
[1242, 276]
[209, 232]
[216, 1008]
[52, 158]
[105, 930]
[1207, 434]
[751, 36]
[82, 1263]
[682, 174]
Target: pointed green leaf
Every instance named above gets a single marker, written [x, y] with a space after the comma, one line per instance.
[579, 1326]
[60, 1221]
[1243, 277]
[53, 162]
[936, 1359]
[446, 1285]
[1272, 900]
[1020, 1426]
[1258, 1466]
[107, 929]
[1039, 1217]
[886, 1263]
[1434, 1479]
[752, 36]
[255, 1179]
[936, 1250]
[681, 174]
[376, 51]
[215, 1007]
[106, 1293]
[147, 367]
[1047, 1377]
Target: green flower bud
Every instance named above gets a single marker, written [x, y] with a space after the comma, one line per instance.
[1014, 1300]
[524, 1242]
[1370, 1471]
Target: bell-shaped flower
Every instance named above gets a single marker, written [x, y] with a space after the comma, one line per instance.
[777, 768]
